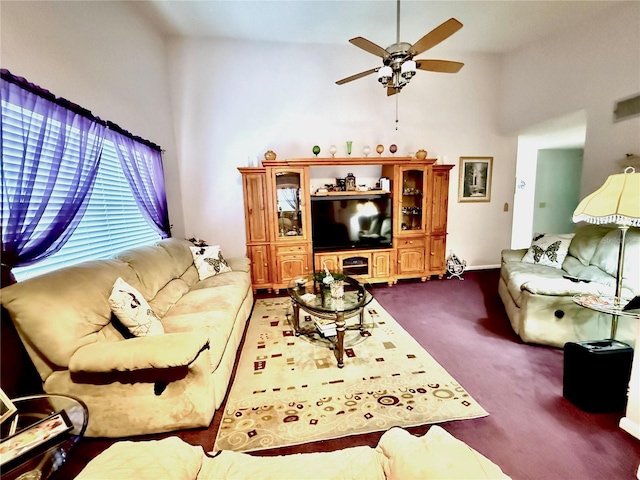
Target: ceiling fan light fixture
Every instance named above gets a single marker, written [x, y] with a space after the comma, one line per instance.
[408, 69]
[384, 75]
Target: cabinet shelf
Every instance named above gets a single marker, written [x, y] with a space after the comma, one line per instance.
[350, 193]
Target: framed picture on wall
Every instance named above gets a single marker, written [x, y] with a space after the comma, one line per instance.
[475, 179]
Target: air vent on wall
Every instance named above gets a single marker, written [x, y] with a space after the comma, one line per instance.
[627, 108]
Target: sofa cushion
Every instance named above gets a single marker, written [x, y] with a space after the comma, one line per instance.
[437, 455]
[584, 242]
[168, 296]
[178, 251]
[133, 311]
[605, 257]
[517, 274]
[153, 266]
[209, 261]
[548, 249]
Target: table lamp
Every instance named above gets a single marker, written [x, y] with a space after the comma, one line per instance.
[615, 202]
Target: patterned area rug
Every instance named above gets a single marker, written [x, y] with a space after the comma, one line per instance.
[288, 390]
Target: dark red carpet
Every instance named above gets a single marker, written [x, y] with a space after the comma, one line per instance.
[532, 432]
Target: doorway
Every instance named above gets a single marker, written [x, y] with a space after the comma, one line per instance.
[559, 144]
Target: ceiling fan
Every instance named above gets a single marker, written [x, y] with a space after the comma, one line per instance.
[398, 64]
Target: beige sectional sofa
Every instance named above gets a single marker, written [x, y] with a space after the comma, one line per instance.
[398, 456]
[136, 385]
[539, 300]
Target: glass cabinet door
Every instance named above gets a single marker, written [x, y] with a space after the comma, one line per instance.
[289, 204]
[412, 200]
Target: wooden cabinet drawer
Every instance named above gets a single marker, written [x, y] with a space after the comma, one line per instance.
[411, 242]
[291, 249]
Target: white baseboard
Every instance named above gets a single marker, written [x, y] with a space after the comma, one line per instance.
[482, 267]
[629, 426]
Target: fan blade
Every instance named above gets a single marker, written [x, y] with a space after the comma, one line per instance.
[391, 91]
[435, 36]
[370, 47]
[357, 76]
[442, 66]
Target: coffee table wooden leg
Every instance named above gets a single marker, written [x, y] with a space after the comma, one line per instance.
[340, 340]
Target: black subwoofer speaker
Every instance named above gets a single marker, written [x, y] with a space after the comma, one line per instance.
[596, 375]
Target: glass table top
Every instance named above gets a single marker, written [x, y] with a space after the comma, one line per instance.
[310, 293]
[40, 457]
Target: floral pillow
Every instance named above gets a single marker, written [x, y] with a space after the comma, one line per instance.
[548, 249]
[133, 311]
[209, 261]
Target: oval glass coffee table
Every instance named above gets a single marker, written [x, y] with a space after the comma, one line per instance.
[329, 313]
[40, 458]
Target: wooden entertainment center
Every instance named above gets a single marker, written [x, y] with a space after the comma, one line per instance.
[277, 201]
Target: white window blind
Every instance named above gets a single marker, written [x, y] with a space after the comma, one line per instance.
[112, 221]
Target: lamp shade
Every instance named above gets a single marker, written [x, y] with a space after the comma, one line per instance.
[617, 201]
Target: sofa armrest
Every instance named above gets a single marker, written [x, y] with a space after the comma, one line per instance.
[509, 255]
[140, 353]
[239, 264]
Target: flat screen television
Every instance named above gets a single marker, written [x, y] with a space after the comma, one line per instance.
[347, 222]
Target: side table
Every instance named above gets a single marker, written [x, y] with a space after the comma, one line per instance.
[43, 463]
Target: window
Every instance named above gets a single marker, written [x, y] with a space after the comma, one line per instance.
[112, 221]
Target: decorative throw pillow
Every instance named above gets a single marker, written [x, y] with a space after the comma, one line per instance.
[548, 249]
[133, 310]
[209, 261]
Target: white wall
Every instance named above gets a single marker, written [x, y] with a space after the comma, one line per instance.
[230, 101]
[235, 100]
[101, 56]
[588, 68]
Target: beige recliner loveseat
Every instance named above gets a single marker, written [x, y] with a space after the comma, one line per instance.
[539, 299]
[136, 385]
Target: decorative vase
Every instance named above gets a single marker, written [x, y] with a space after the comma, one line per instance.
[421, 154]
[349, 143]
[350, 182]
[269, 155]
[380, 149]
[332, 150]
[316, 150]
[366, 150]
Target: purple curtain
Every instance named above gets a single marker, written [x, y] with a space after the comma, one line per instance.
[47, 186]
[142, 166]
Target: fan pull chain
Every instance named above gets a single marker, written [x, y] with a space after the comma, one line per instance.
[397, 95]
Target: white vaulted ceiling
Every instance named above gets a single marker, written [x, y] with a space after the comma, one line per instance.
[489, 26]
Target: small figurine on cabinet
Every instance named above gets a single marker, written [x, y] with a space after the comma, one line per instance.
[350, 182]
